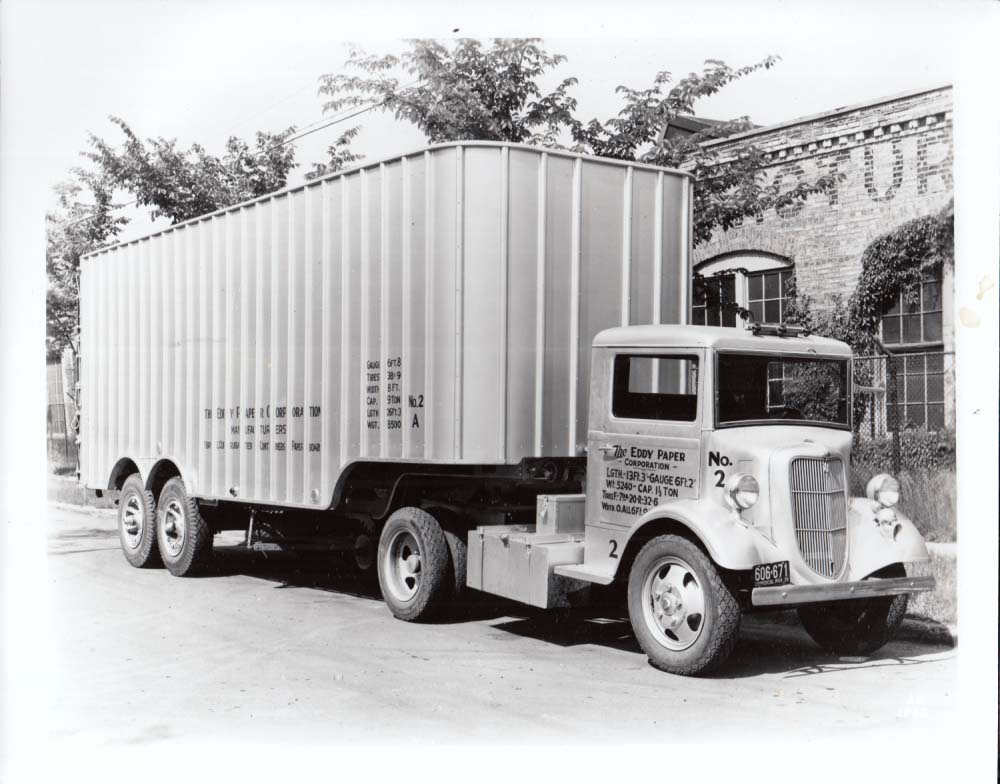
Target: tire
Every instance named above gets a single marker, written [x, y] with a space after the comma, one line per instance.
[684, 616]
[137, 524]
[457, 539]
[414, 565]
[183, 536]
[856, 627]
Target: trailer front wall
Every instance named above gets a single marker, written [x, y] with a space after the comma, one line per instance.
[434, 307]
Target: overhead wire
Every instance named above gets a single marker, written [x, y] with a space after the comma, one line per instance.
[294, 137]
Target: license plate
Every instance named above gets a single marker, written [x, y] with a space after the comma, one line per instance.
[770, 574]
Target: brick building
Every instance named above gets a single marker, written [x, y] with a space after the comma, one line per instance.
[895, 155]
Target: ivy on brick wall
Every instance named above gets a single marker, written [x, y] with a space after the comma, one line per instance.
[894, 264]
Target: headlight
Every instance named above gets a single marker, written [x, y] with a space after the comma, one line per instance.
[888, 524]
[883, 490]
[743, 490]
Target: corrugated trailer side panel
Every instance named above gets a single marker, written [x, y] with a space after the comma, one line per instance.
[435, 307]
[559, 257]
[443, 291]
[352, 368]
[604, 214]
[526, 301]
[482, 306]
[415, 311]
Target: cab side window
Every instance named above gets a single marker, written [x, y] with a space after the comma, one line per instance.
[663, 388]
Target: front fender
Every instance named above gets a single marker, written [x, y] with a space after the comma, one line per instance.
[869, 549]
[731, 542]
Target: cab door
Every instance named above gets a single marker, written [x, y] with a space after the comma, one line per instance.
[644, 441]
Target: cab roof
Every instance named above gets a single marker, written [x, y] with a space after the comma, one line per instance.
[735, 338]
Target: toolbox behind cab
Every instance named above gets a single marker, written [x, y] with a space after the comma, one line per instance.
[518, 561]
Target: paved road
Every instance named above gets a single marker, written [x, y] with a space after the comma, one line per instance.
[274, 646]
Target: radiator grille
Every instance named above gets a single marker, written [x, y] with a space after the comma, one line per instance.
[819, 507]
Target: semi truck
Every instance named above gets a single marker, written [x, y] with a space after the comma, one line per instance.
[471, 367]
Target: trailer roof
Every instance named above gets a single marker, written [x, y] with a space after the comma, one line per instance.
[370, 164]
[738, 338]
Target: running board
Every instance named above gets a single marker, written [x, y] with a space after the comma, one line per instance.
[581, 572]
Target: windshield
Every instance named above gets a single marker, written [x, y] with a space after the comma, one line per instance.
[761, 387]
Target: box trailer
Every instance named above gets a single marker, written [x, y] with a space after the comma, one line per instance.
[474, 356]
[435, 308]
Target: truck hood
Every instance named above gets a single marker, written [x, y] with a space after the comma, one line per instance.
[759, 442]
[765, 452]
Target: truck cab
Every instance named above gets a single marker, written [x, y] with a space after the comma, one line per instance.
[717, 483]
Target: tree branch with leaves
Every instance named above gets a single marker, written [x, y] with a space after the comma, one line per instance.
[728, 189]
[471, 91]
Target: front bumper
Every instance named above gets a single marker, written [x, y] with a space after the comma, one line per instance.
[830, 592]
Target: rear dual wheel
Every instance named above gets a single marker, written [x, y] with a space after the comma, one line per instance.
[421, 567]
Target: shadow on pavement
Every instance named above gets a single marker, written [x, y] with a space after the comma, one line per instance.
[766, 645]
[336, 574]
[294, 570]
[771, 643]
[82, 540]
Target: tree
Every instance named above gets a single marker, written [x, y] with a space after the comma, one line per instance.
[727, 191]
[73, 229]
[183, 184]
[470, 91]
[178, 184]
[338, 154]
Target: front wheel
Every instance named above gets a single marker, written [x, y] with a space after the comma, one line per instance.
[683, 615]
[856, 627]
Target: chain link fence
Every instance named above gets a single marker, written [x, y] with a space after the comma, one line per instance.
[61, 412]
[903, 410]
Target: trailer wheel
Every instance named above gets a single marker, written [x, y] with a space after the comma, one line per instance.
[856, 627]
[413, 564]
[184, 538]
[683, 614]
[137, 524]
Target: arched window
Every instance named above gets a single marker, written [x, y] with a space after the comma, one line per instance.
[759, 282]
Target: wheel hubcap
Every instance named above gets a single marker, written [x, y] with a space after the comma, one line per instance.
[673, 603]
[401, 566]
[132, 521]
[173, 527]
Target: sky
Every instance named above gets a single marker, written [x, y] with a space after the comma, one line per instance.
[201, 72]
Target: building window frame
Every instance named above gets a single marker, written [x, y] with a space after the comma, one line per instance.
[744, 268]
[919, 368]
[903, 315]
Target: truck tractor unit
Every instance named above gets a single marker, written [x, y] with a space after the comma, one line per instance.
[470, 367]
